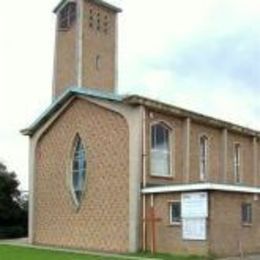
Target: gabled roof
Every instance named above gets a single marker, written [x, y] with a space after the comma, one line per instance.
[59, 102]
[183, 113]
[97, 2]
[135, 100]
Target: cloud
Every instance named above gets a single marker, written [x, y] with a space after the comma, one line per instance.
[202, 55]
[212, 66]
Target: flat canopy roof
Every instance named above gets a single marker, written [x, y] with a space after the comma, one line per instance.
[97, 2]
[200, 187]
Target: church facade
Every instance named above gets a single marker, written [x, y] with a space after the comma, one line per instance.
[127, 173]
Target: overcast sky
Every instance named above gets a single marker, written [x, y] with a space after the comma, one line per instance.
[202, 55]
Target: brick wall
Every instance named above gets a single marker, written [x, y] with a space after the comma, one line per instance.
[215, 152]
[99, 42]
[101, 223]
[227, 233]
[177, 140]
[169, 237]
[99, 39]
[65, 60]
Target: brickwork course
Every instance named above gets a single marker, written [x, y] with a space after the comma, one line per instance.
[116, 133]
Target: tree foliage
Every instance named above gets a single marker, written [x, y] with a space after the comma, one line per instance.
[13, 208]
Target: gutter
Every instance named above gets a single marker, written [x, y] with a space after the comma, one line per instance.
[200, 187]
[165, 108]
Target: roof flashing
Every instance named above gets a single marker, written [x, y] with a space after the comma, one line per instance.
[97, 2]
[60, 101]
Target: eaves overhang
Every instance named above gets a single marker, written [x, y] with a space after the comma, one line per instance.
[195, 187]
[59, 102]
[169, 109]
[135, 100]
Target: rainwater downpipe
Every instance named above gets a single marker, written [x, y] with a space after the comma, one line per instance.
[144, 171]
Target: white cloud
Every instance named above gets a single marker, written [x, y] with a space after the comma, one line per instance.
[169, 49]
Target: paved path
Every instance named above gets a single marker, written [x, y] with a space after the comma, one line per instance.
[249, 257]
[23, 242]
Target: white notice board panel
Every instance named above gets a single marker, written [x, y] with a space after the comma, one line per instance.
[194, 229]
[194, 205]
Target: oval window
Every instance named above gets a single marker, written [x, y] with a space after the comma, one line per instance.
[78, 169]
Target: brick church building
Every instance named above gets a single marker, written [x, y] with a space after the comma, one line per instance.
[123, 173]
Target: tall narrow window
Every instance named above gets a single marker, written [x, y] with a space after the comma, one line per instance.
[237, 158]
[79, 169]
[160, 150]
[203, 157]
[175, 212]
[67, 16]
[246, 213]
[98, 62]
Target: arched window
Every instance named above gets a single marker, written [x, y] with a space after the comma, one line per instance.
[78, 169]
[160, 150]
[203, 157]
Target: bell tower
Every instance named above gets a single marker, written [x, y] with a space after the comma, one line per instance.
[86, 46]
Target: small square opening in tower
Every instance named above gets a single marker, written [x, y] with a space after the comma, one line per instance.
[67, 16]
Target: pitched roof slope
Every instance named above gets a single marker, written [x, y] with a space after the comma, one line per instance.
[60, 101]
[184, 113]
[135, 100]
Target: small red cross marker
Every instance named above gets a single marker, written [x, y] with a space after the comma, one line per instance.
[152, 219]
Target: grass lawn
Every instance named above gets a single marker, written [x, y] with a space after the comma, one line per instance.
[21, 253]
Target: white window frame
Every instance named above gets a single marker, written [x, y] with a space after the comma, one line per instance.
[237, 163]
[174, 223]
[170, 153]
[204, 175]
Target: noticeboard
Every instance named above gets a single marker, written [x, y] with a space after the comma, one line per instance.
[194, 205]
[194, 229]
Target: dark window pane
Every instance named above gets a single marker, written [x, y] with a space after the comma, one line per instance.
[176, 212]
[67, 16]
[153, 137]
[79, 169]
[75, 165]
[75, 180]
[246, 212]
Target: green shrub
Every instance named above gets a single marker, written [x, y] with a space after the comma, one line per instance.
[12, 232]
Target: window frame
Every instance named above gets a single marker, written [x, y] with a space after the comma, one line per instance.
[237, 169]
[206, 159]
[171, 203]
[247, 208]
[170, 154]
[77, 202]
[98, 62]
[70, 17]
